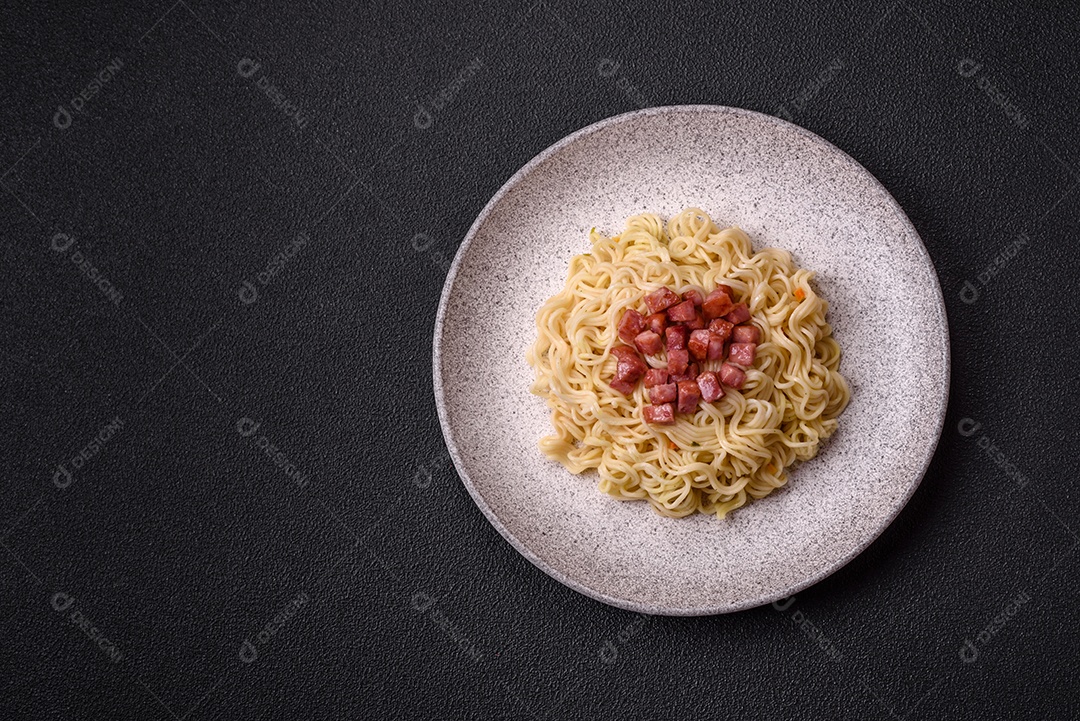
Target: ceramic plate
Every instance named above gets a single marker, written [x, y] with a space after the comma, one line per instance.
[787, 188]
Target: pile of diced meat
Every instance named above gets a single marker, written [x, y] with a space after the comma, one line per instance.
[691, 329]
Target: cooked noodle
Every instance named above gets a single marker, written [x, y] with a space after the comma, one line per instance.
[725, 453]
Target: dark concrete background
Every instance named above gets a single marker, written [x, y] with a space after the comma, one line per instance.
[225, 230]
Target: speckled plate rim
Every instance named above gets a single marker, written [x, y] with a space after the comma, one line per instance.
[752, 601]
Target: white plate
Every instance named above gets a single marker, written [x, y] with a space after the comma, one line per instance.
[787, 188]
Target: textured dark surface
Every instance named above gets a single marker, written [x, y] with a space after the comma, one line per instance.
[179, 538]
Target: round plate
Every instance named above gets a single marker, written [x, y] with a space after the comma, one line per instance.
[787, 188]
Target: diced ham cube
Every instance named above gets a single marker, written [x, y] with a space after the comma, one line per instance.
[690, 374]
[689, 395]
[630, 325]
[746, 334]
[716, 304]
[738, 314]
[663, 394]
[661, 415]
[624, 387]
[682, 312]
[709, 386]
[732, 376]
[657, 323]
[678, 360]
[661, 299]
[727, 289]
[655, 377]
[742, 353]
[697, 323]
[699, 344]
[631, 370]
[649, 343]
[630, 366]
[694, 296]
[624, 353]
[716, 347]
[676, 336]
[721, 328]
